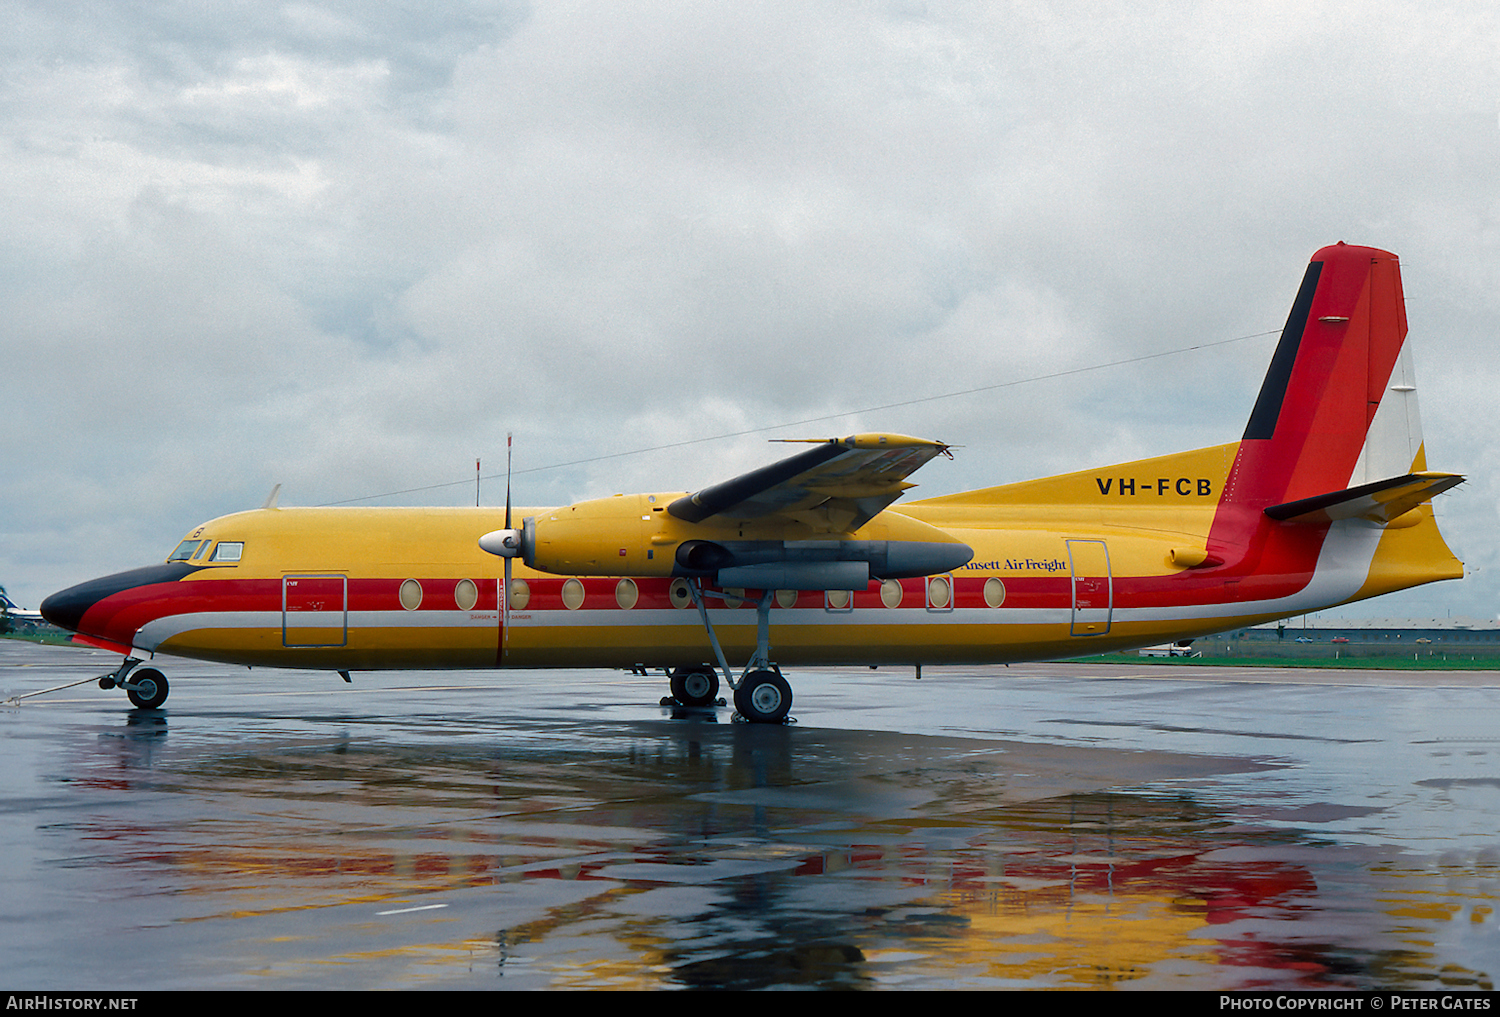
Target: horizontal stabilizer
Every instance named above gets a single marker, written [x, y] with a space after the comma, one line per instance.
[1379, 502]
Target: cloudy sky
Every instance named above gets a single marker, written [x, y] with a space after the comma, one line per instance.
[346, 247]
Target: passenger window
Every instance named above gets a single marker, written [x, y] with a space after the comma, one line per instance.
[185, 550]
[228, 550]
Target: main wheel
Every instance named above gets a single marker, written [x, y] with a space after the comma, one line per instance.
[150, 688]
[764, 697]
[694, 686]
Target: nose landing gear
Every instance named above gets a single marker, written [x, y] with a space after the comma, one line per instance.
[147, 689]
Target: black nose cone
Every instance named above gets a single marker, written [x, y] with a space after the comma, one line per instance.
[66, 608]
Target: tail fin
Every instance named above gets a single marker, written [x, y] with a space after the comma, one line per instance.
[1338, 408]
[1335, 434]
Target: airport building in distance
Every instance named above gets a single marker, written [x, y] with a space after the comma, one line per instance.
[1420, 639]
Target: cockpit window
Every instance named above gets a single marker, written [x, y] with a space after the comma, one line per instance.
[185, 550]
[228, 550]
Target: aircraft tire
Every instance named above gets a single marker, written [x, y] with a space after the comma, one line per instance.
[151, 691]
[764, 697]
[695, 686]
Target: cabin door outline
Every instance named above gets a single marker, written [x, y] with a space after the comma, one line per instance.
[1092, 587]
[314, 611]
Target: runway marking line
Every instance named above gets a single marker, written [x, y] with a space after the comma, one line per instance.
[403, 911]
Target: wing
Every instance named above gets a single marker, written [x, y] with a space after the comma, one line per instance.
[835, 487]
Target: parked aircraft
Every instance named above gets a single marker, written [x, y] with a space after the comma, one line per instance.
[1324, 500]
[12, 612]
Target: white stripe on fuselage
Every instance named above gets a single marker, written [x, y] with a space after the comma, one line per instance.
[159, 630]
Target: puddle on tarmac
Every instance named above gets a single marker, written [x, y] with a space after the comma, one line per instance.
[687, 854]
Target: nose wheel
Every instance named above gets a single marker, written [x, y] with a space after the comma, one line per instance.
[147, 688]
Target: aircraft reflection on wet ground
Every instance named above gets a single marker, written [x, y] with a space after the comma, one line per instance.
[535, 830]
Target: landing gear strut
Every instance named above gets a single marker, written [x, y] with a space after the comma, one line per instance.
[762, 695]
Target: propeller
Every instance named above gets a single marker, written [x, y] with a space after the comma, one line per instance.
[512, 542]
[506, 544]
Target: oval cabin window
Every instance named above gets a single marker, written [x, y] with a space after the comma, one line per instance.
[520, 594]
[466, 594]
[410, 594]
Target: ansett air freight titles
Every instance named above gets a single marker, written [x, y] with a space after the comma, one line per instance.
[1326, 499]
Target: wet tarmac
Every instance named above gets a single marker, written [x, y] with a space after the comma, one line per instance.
[1043, 826]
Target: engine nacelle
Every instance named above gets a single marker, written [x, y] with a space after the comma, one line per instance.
[633, 535]
[601, 537]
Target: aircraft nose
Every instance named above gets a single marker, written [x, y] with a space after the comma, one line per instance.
[68, 608]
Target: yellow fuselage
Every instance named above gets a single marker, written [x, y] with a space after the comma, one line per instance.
[1072, 565]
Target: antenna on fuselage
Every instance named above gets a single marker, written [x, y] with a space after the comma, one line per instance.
[271, 498]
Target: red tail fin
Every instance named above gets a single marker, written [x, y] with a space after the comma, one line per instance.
[1334, 366]
[1337, 411]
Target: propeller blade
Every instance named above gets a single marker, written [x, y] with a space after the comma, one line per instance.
[505, 593]
[505, 612]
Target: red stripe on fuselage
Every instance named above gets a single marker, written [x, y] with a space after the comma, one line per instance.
[118, 618]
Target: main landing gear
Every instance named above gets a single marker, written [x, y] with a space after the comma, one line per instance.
[762, 695]
[147, 688]
[694, 686]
